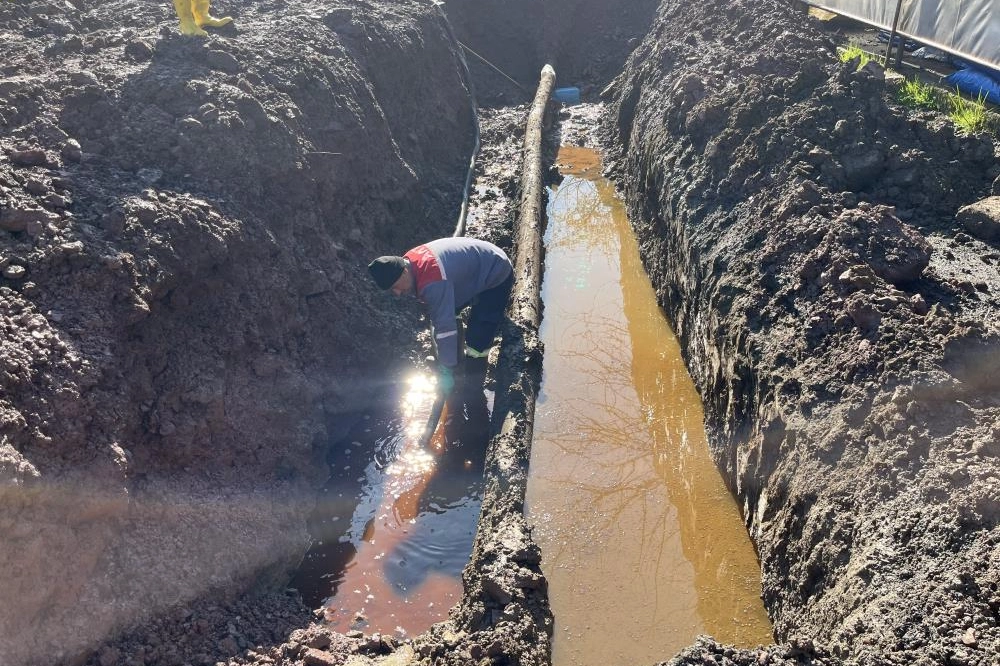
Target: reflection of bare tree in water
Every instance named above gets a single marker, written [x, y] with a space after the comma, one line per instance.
[610, 435]
[629, 419]
[579, 216]
[605, 453]
[714, 540]
[608, 432]
[612, 446]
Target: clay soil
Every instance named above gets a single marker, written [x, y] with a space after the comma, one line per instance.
[840, 313]
[187, 323]
[187, 326]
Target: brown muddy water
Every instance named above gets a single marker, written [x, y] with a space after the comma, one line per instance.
[642, 544]
[394, 530]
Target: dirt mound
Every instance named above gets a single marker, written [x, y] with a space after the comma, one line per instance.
[503, 613]
[800, 228]
[186, 319]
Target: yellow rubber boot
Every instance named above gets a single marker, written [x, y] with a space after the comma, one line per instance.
[188, 24]
[203, 18]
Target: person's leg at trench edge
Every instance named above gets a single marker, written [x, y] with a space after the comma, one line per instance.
[485, 316]
[483, 321]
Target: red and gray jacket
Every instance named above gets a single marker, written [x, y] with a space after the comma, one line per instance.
[448, 273]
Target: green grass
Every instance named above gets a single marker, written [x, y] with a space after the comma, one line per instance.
[918, 95]
[968, 115]
[854, 52]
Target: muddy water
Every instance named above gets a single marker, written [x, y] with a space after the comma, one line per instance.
[642, 544]
[395, 530]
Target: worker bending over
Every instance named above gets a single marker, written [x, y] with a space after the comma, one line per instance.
[446, 275]
[194, 16]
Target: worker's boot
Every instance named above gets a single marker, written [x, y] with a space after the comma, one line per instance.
[203, 18]
[475, 353]
[188, 24]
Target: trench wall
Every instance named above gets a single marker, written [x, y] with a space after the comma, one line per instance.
[586, 42]
[191, 321]
[791, 216]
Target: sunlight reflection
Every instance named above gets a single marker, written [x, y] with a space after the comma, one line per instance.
[421, 389]
[413, 529]
[412, 461]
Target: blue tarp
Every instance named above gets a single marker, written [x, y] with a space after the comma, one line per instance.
[976, 82]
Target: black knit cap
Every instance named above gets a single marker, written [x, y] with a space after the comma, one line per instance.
[386, 270]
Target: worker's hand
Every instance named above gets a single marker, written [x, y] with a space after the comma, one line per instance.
[446, 379]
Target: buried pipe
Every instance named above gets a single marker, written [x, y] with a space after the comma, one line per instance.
[526, 309]
[504, 586]
[519, 367]
[463, 212]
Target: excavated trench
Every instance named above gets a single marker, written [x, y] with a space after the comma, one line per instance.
[189, 337]
[622, 493]
[395, 525]
[642, 546]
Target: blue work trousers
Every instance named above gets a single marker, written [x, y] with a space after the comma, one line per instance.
[486, 314]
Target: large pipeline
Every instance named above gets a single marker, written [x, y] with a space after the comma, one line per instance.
[505, 605]
[526, 306]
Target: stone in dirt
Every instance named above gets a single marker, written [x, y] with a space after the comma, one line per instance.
[982, 218]
[139, 50]
[18, 218]
[14, 272]
[72, 150]
[28, 157]
[314, 657]
[223, 61]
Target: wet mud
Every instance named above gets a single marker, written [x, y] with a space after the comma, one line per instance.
[187, 327]
[804, 234]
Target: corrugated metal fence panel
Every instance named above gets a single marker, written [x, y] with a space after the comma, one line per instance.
[968, 28]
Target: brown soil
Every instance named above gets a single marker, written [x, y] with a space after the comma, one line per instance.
[187, 320]
[840, 322]
[187, 324]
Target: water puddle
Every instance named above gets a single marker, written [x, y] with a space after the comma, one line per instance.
[642, 544]
[393, 533]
